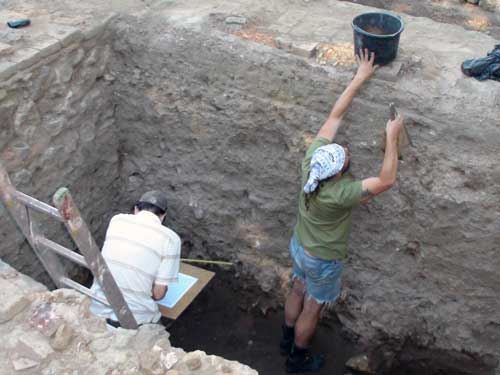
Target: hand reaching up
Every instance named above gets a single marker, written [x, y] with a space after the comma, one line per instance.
[366, 66]
[394, 127]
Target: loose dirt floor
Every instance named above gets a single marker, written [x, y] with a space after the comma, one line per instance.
[470, 16]
[222, 321]
[218, 323]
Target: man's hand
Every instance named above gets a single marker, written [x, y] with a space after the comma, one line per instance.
[365, 61]
[394, 127]
[158, 292]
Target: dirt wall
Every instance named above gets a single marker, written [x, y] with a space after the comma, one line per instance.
[222, 126]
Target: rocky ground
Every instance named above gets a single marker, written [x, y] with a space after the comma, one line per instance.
[53, 333]
[229, 321]
[476, 15]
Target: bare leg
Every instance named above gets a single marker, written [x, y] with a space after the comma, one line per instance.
[306, 323]
[294, 303]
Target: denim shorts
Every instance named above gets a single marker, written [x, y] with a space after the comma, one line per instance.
[321, 277]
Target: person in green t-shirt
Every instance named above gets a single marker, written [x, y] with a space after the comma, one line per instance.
[319, 243]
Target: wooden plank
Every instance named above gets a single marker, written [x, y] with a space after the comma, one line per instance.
[80, 233]
[203, 277]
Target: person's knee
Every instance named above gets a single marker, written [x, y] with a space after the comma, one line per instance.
[298, 288]
[312, 307]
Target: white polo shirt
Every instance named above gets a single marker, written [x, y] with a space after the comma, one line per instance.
[139, 251]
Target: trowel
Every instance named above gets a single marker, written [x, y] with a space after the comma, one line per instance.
[403, 139]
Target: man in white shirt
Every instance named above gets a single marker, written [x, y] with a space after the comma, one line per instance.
[143, 256]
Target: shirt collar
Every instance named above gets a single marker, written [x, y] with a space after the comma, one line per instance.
[149, 216]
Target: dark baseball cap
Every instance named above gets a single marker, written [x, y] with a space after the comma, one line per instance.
[155, 197]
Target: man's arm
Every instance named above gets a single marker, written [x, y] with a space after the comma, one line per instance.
[375, 185]
[159, 291]
[169, 268]
[365, 71]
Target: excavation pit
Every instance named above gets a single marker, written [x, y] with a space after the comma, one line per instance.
[112, 106]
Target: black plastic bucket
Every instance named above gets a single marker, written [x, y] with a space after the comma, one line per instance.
[378, 32]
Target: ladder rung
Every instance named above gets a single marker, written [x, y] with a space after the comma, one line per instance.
[61, 250]
[73, 284]
[38, 205]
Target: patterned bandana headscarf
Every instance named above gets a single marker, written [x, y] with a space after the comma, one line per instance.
[326, 162]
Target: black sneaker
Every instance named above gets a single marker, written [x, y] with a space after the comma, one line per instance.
[286, 341]
[301, 360]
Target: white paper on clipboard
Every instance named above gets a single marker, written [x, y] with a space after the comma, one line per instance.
[176, 291]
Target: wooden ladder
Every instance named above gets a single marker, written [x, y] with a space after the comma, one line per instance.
[20, 205]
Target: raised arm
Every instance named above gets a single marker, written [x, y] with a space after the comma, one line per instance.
[375, 185]
[365, 71]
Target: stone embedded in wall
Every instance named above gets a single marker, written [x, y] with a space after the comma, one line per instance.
[12, 304]
[65, 34]
[45, 320]
[41, 82]
[20, 363]
[32, 345]
[52, 106]
[62, 338]
[491, 5]
[150, 361]
[192, 361]
[5, 49]
[27, 120]
[63, 72]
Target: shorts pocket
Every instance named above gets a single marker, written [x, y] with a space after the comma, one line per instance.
[324, 271]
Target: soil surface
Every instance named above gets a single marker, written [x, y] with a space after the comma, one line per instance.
[467, 15]
[220, 322]
[217, 323]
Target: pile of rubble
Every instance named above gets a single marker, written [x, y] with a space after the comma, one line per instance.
[52, 333]
[492, 5]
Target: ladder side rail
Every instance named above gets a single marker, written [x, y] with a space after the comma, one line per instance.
[82, 236]
[21, 215]
[38, 205]
[82, 289]
[61, 250]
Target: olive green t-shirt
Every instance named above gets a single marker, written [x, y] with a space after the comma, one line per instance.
[324, 228]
